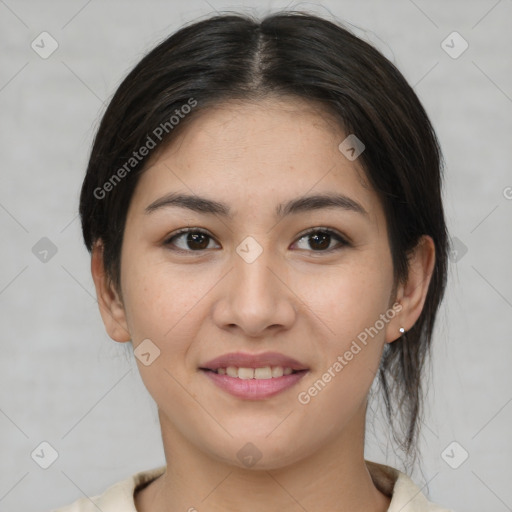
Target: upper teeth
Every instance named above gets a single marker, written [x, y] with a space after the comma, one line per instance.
[266, 372]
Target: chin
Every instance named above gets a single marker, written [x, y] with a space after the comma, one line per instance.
[260, 452]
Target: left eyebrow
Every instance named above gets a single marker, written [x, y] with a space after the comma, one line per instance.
[302, 204]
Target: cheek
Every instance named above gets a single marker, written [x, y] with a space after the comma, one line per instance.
[160, 299]
[351, 350]
[168, 307]
[163, 308]
[353, 307]
[348, 300]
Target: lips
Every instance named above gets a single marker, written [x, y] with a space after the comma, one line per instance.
[245, 360]
[254, 376]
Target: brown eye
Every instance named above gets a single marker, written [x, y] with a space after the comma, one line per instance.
[319, 240]
[192, 240]
[196, 240]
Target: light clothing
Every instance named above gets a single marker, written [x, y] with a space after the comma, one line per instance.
[404, 493]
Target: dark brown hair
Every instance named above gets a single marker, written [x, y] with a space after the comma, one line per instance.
[291, 54]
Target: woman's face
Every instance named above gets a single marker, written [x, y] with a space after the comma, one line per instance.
[253, 282]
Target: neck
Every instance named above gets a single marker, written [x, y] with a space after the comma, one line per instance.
[334, 477]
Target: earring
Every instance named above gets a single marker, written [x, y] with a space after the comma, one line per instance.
[402, 330]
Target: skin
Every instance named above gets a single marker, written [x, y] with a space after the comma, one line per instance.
[294, 299]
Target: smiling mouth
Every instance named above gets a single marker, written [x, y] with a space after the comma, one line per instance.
[260, 383]
[262, 373]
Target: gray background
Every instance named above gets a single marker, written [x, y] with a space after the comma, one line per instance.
[65, 382]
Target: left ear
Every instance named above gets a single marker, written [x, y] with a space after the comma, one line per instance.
[412, 294]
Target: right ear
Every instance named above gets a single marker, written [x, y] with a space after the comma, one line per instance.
[110, 304]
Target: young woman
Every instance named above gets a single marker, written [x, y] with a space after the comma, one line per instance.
[263, 209]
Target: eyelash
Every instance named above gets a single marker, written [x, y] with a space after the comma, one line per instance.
[325, 230]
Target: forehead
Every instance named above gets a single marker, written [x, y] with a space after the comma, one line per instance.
[273, 148]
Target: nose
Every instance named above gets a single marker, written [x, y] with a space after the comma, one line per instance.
[256, 297]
